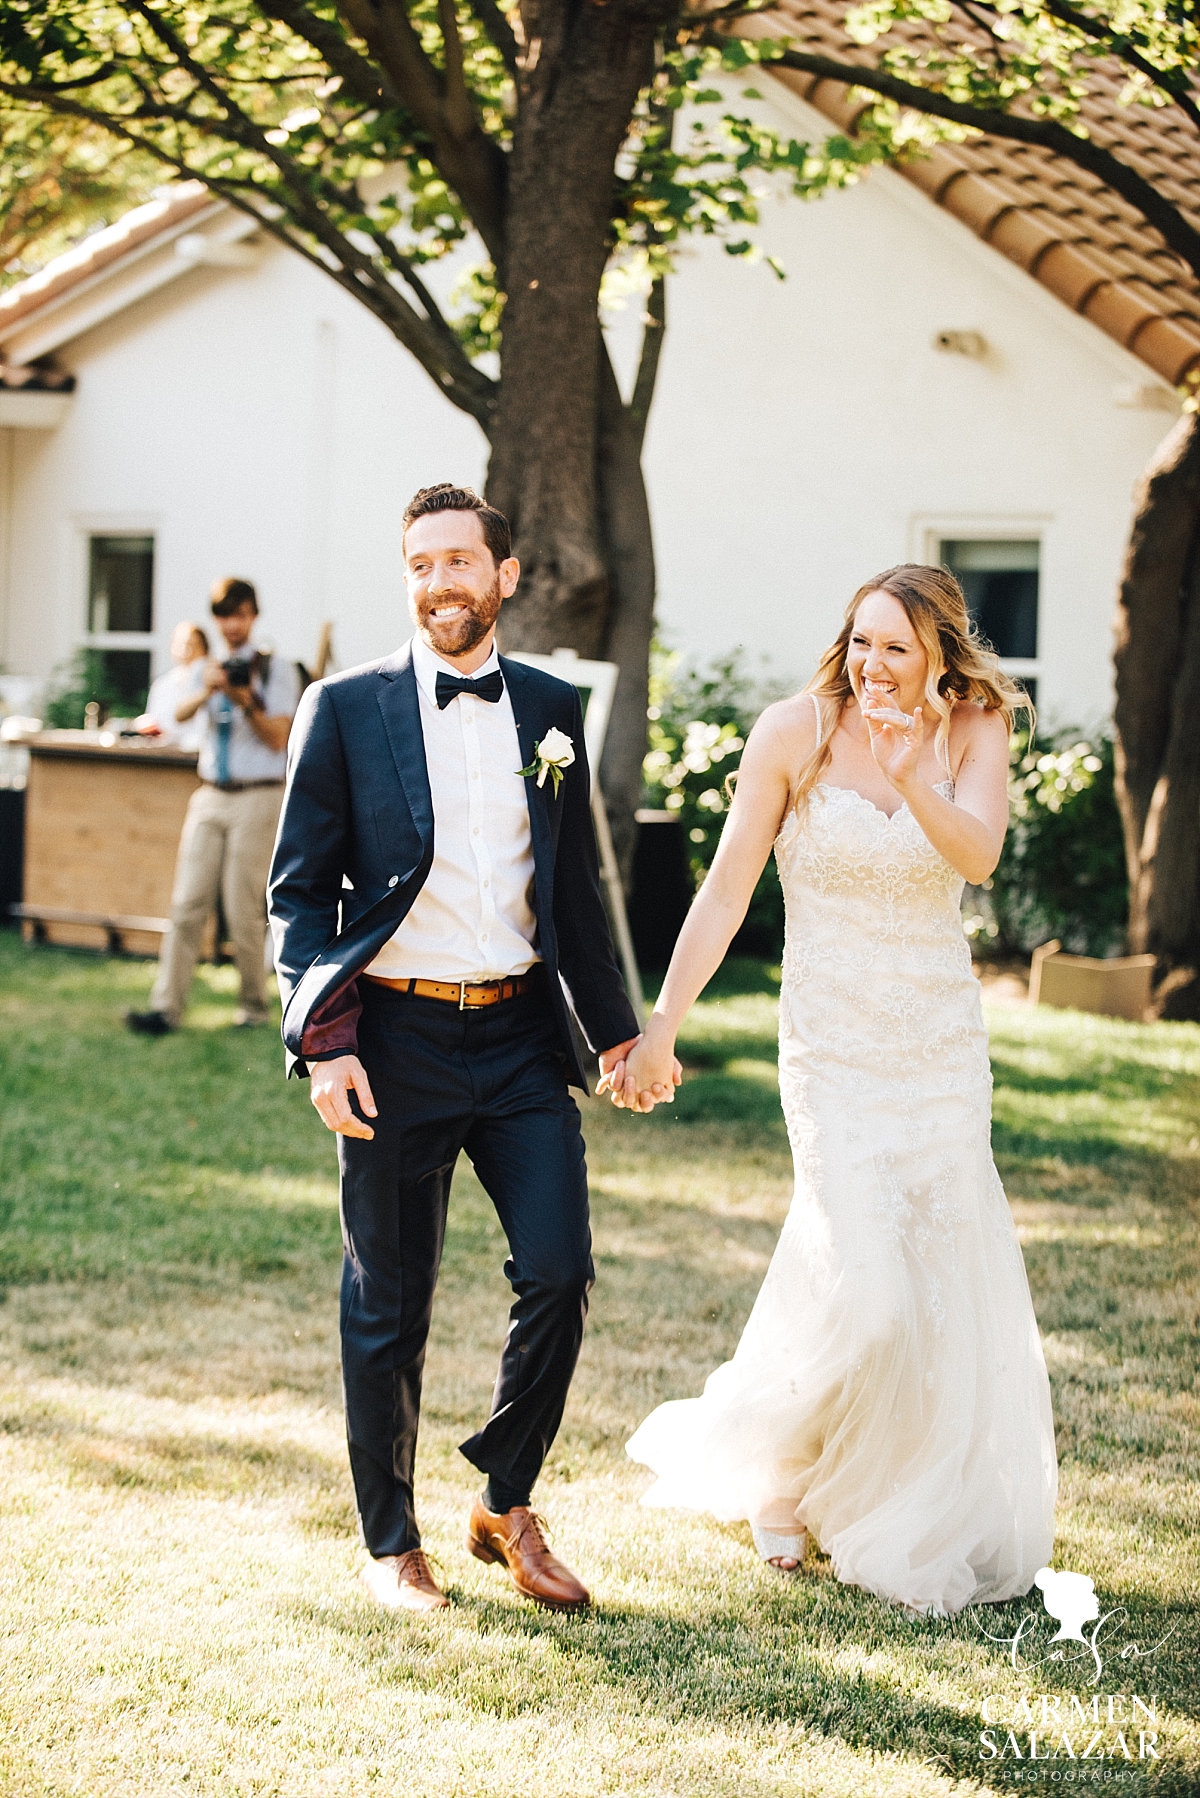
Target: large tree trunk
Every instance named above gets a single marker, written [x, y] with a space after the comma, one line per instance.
[629, 543]
[1158, 718]
[583, 70]
[565, 456]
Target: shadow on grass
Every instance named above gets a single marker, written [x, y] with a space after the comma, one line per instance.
[1078, 1148]
[74, 1232]
[724, 1097]
[163, 1462]
[787, 1657]
[506, 1660]
[224, 1467]
[1115, 1077]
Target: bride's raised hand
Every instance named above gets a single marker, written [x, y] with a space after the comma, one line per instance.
[896, 742]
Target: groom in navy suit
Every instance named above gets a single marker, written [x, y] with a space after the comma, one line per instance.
[435, 901]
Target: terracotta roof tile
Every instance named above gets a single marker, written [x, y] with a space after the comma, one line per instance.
[95, 253]
[1084, 242]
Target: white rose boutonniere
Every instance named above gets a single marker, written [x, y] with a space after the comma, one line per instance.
[551, 756]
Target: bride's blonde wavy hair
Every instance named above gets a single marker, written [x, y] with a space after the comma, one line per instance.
[962, 669]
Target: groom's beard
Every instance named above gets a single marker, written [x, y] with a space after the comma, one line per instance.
[458, 636]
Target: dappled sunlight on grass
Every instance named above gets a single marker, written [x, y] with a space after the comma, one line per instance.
[178, 1596]
[1094, 1086]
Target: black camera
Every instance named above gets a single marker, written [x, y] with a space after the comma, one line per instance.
[237, 672]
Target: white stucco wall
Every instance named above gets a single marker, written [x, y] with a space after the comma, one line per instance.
[805, 434]
[258, 422]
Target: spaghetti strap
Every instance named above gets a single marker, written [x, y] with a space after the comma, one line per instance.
[817, 710]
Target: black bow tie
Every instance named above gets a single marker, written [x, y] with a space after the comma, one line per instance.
[449, 686]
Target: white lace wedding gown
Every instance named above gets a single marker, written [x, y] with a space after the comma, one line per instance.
[889, 1391]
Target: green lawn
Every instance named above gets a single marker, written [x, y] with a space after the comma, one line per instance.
[178, 1604]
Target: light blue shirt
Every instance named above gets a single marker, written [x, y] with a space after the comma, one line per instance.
[231, 749]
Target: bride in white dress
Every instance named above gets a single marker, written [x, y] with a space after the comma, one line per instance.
[889, 1393]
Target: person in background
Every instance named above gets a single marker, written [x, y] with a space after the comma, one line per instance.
[246, 704]
[189, 645]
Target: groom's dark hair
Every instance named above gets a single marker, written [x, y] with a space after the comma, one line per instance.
[446, 497]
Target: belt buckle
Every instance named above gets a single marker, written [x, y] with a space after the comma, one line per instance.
[462, 995]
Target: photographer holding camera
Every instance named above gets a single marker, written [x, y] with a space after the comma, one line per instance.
[248, 701]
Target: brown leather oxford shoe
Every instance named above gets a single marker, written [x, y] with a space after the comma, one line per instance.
[404, 1582]
[517, 1539]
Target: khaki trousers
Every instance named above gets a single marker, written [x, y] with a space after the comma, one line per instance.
[225, 850]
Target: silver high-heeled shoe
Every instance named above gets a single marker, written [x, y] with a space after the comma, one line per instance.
[773, 1545]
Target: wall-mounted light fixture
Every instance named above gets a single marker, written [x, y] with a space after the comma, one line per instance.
[215, 252]
[961, 343]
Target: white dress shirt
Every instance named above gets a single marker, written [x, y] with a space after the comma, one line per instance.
[167, 693]
[473, 919]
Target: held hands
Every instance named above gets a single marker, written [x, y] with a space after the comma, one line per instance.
[331, 1083]
[641, 1073]
[896, 739]
[638, 1074]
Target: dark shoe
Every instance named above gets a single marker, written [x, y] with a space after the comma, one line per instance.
[404, 1582]
[517, 1539]
[149, 1023]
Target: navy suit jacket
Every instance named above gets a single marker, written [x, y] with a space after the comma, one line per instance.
[355, 847]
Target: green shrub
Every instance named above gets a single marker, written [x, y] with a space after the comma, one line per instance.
[699, 722]
[87, 677]
[1062, 872]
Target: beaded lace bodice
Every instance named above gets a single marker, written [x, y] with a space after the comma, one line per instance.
[875, 961]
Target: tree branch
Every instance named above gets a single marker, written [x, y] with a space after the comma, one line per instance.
[990, 31]
[458, 363]
[654, 331]
[455, 366]
[1172, 82]
[1049, 134]
[460, 114]
[500, 32]
[100, 74]
[472, 164]
[359, 77]
[430, 340]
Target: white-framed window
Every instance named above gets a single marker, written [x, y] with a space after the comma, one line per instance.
[120, 610]
[999, 565]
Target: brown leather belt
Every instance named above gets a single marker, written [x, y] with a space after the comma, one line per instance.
[239, 786]
[467, 995]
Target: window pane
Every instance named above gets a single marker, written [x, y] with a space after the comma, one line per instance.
[121, 584]
[992, 553]
[1000, 580]
[125, 680]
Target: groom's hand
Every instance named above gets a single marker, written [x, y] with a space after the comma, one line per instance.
[623, 1091]
[330, 1086]
[612, 1064]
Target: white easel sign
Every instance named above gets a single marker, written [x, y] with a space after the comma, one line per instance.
[597, 684]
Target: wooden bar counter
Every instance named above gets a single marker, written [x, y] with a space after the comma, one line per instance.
[103, 818]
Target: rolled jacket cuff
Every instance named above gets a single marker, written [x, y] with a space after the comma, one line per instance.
[332, 1030]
